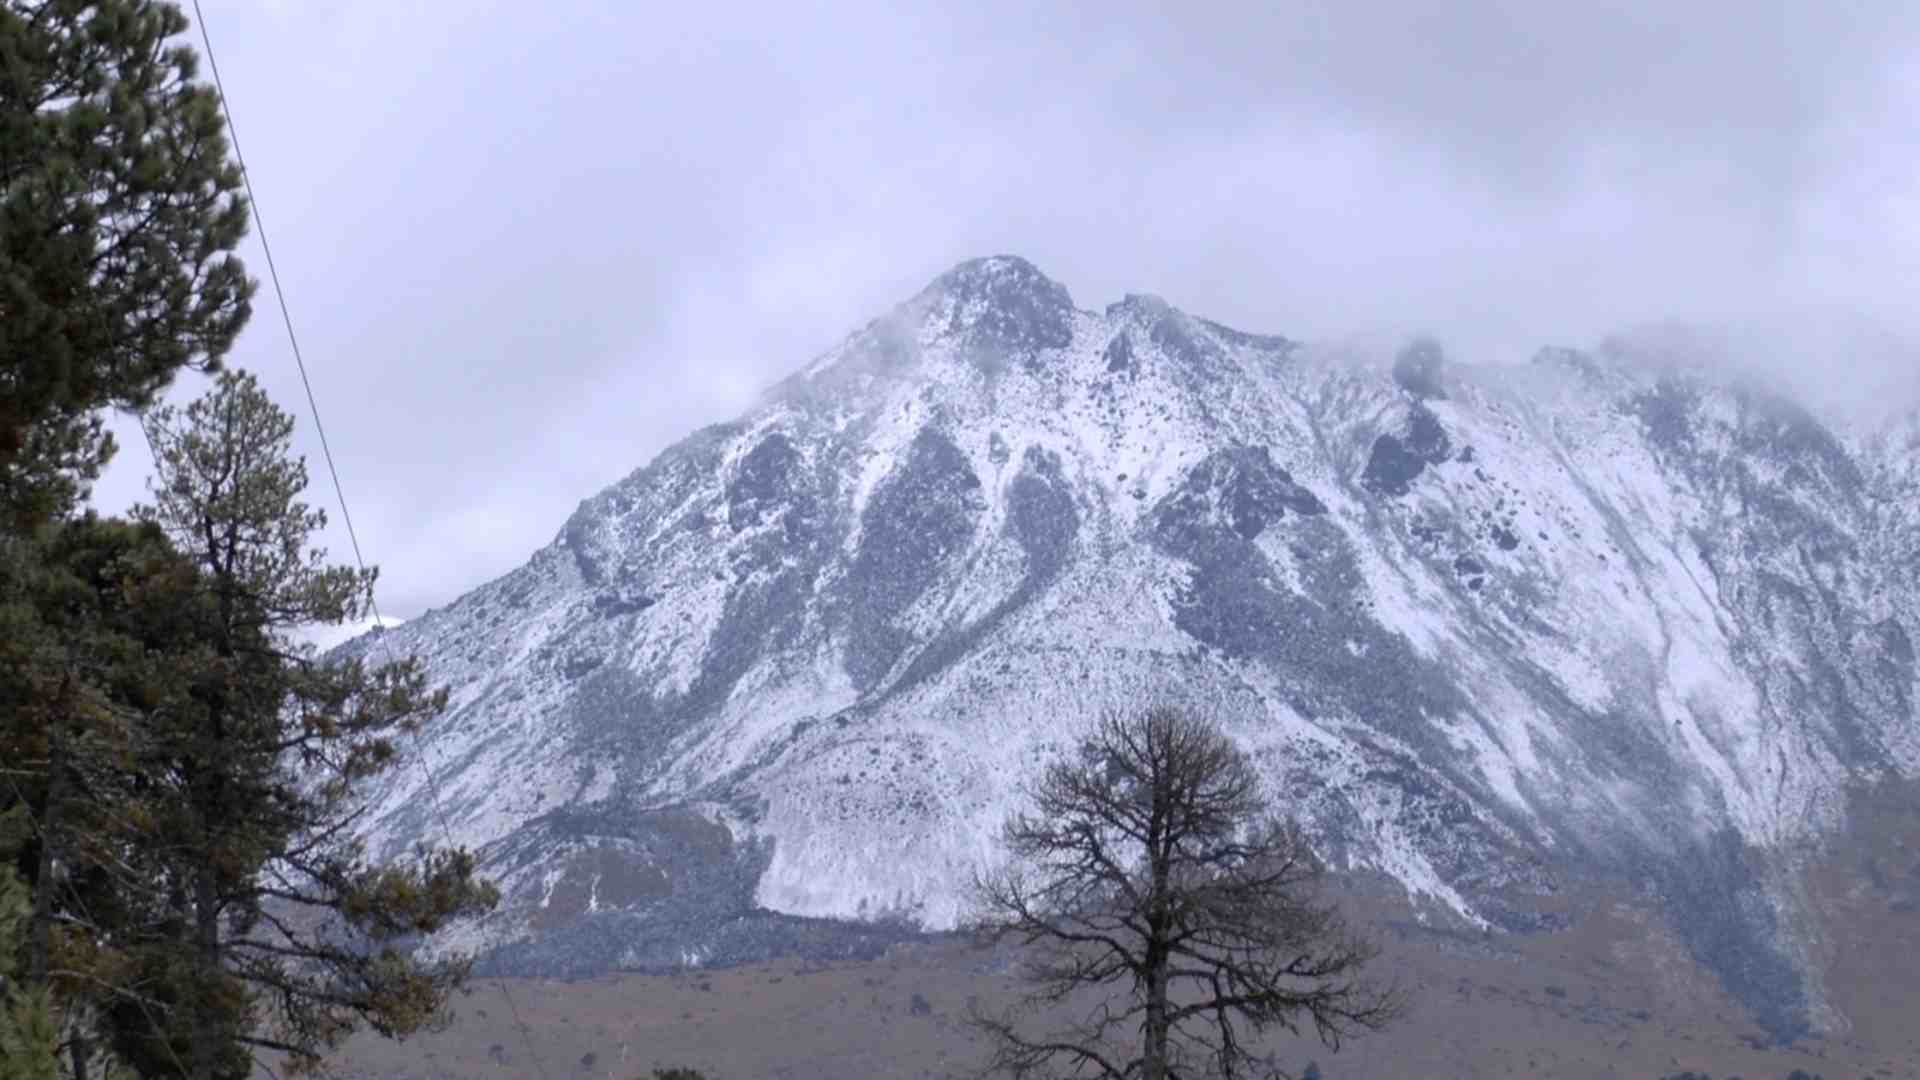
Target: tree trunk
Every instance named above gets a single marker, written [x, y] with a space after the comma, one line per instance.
[1153, 1061]
[1153, 1058]
[209, 787]
[206, 932]
[40, 943]
[81, 1053]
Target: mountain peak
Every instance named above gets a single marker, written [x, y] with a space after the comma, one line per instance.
[1001, 302]
[993, 273]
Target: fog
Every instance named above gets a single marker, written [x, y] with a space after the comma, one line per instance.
[527, 246]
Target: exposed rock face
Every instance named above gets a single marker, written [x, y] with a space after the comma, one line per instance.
[1598, 618]
[1398, 458]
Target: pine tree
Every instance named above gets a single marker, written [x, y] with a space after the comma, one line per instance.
[119, 211]
[86, 643]
[101, 634]
[29, 1039]
[282, 910]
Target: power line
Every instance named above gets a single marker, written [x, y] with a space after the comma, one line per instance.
[273, 273]
[313, 407]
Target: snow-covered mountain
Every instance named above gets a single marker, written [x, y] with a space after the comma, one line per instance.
[1499, 633]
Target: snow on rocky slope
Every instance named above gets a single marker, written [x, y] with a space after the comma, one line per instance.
[1494, 632]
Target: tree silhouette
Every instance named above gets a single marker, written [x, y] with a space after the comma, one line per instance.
[1150, 864]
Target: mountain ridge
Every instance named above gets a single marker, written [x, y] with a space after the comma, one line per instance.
[1494, 632]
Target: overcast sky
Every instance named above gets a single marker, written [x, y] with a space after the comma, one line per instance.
[529, 245]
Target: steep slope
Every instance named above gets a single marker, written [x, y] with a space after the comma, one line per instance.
[1497, 633]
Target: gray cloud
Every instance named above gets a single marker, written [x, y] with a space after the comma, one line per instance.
[528, 246]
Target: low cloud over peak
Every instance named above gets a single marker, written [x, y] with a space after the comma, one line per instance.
[526, 250]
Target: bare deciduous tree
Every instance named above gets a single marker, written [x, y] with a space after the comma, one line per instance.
[1150, 874]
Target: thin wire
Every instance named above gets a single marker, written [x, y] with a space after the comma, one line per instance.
[273, 272]
[313, 406]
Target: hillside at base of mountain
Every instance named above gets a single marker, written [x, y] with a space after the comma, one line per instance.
[1611, 622]
[1613, 998]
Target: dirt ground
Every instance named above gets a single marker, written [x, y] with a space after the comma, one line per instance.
[1551, 1010]
[1615, 996]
